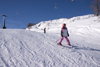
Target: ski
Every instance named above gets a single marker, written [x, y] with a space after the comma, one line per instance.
[66, 46]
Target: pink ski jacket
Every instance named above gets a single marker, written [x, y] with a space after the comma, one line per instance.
[64, 32]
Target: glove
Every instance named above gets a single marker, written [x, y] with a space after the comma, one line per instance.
[61, 35]
[68, 35]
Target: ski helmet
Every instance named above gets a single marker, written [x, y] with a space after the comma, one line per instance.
[63, 24]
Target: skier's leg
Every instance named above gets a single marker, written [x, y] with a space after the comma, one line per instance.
[67, 40]
[61, 40]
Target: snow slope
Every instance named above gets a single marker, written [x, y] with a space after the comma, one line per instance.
[24, 48]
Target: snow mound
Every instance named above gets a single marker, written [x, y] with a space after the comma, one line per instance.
[86, 22]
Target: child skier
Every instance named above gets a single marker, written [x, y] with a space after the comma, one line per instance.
[64, 34]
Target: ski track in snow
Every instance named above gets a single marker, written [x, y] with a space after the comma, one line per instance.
[23, 48]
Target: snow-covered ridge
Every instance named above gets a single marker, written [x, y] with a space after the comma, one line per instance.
[85, 22]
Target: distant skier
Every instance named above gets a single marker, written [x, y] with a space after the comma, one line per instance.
[64, 34]
[44, 30]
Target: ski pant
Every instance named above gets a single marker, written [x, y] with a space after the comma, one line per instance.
[65, 38]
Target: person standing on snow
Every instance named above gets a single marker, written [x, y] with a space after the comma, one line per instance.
[64, 34]
[44, 30]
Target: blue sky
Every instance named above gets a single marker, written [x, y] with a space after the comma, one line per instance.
[22, 12]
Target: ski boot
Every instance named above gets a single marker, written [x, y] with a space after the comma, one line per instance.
[60, 44]
[69, 44]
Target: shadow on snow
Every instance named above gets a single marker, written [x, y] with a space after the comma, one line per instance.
[84, 48]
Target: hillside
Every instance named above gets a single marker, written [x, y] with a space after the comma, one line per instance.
[33, 48]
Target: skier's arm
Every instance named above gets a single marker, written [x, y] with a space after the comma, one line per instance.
[61, 33]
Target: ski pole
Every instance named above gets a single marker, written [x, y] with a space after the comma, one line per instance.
[58, 39]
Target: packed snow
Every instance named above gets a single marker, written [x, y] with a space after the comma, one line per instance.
[34, 48]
